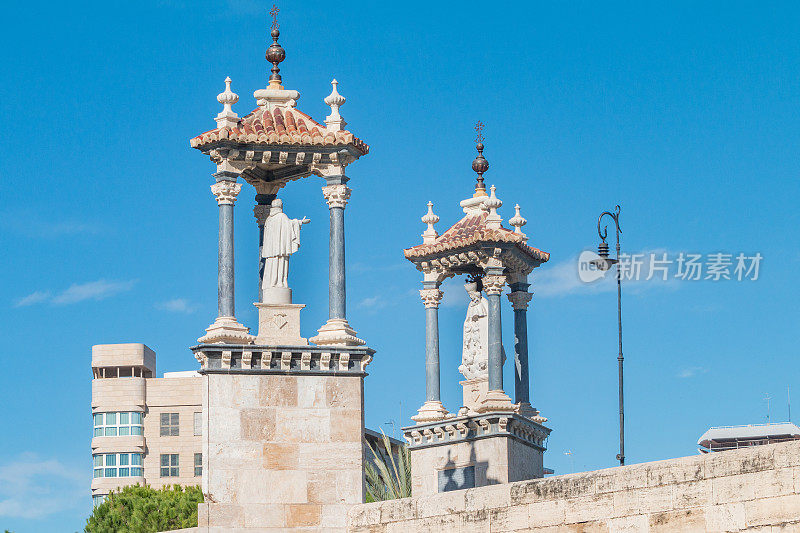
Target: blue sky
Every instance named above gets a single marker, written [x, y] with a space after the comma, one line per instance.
[686, 115]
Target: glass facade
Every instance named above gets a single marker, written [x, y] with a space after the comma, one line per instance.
[117, 424]
[117, 465]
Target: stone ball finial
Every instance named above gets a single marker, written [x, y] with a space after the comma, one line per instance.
[227, 97]
[227, 117]
[430, 218]
[334, 121]
[493, 203]
[517, 221]
[335, 99]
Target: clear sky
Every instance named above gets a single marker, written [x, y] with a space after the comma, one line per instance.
[686, 115]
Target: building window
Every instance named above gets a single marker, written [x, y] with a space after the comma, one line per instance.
[98, 499]
[117, 465]
[169, 424]
[198, 464]
[198, 424]
[117, 424]
[169, 465]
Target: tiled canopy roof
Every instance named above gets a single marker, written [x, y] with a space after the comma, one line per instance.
[469, 231]
[280, 126]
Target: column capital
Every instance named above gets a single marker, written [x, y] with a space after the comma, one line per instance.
[226, 191]
[493, 283]
[336, 195]
[431, 297]
[519, 300]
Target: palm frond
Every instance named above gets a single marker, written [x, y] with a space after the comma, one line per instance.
[388, 479]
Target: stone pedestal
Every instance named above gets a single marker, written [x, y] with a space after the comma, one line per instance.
[282, 438]
[279, 324]
[474, 391]
[474, 451]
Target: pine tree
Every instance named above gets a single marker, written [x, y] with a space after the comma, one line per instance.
[143, 509]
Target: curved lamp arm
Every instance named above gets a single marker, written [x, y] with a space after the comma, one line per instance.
[614, 216]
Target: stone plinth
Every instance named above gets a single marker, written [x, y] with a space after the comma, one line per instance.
[474, 391]
[475, 451]
[279, 324]
[283, 447]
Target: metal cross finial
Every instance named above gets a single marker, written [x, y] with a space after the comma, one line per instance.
[274, 12]
[479, 128]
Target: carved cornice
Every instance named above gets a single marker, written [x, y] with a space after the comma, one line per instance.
[336, 195]
[226, 191]
[519, 300]
[431, 297]
[493, 284]
[257, 359]
[456, 262]
[460, 429]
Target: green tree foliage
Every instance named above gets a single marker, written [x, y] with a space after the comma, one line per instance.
[137, 509]
[387, 478]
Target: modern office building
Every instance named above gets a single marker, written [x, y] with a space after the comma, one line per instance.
[148, 430]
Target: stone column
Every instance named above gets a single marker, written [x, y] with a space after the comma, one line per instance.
[493, 285]
[495, 399]
[225, 328]
[226, 192]
[261, 212]
[519, 298]
[432, 409]
[336, 331]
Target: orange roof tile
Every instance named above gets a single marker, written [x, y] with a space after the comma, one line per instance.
[281, 126]
[472, 230]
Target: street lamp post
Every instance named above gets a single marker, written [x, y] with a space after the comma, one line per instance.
[604, 264]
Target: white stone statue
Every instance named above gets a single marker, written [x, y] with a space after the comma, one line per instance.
[475, 352]
[281, 240]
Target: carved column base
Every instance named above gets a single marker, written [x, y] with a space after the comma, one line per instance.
[431, 411]
[337, 332]
[496, 400]
[528, 411]
[226, 330]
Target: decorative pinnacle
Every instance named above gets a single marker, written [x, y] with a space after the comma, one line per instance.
[227, 117]
[493, 203]
[479, 164]
[334, 121]
[275, 53]
[517, 221]
[227, 98]
[430, 218]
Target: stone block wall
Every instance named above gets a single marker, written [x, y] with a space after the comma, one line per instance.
[755, 489]
[497, 459]
[283, 451]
